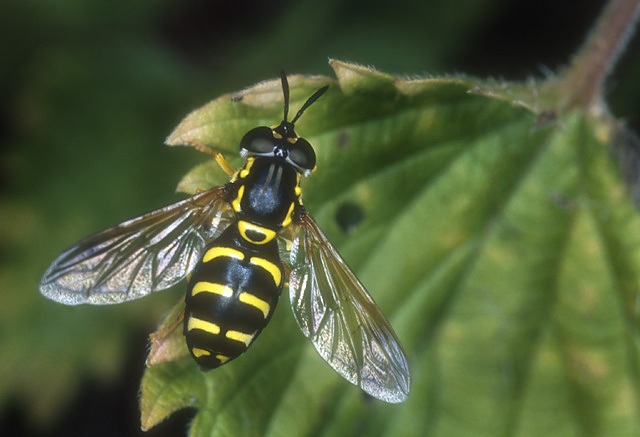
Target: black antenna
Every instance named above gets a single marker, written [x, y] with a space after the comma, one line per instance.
[309, 101]
[285, 91]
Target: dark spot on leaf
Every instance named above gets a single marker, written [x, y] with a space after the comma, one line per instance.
[343, 140]
[626, 148]
[545, 118]
[349, 216]
[236, 99]
[562, 201]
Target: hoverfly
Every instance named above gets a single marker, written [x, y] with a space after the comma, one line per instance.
[233, 240]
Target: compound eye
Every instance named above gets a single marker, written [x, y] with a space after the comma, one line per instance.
[258, 140]
[302, 154]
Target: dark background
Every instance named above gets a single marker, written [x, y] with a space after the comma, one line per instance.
[90, 89]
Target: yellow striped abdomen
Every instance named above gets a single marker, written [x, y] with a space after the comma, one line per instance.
[231, 296]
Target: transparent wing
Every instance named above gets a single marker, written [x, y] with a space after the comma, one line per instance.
[336, 313]
[138, 256]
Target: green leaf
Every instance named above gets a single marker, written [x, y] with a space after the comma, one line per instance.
[497, 236]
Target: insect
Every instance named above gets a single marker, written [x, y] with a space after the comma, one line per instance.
[235, 240]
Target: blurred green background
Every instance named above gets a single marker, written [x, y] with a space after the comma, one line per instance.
[91, 89]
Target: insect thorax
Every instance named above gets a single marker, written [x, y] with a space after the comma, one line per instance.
[265, 192]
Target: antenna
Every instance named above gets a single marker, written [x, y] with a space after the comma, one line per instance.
[309, 101]
[285, 91]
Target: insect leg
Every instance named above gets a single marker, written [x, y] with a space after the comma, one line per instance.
[216, 155]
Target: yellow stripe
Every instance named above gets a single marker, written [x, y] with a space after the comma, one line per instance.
[215, 252]
[267, 234]
[236, 202]
[250, 299]
[223, 358]
[247, 168]
[195, 323]
[210, 287]
[197, 352]
[298, 190]
[270, 267]
[288, 217]
[240, 336]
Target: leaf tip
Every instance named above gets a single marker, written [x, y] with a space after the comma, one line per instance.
[354, 77]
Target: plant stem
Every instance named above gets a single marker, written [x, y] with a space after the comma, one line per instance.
[584, 78]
